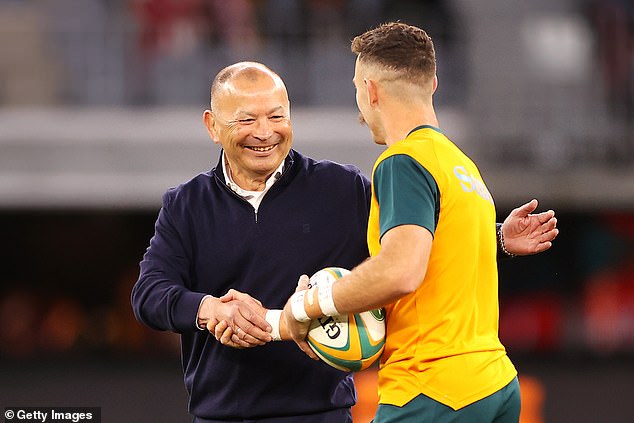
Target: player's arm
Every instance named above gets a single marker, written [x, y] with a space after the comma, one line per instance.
[408, 198]
[396, 271]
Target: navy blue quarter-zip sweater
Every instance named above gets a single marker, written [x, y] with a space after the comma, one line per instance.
[208, 239]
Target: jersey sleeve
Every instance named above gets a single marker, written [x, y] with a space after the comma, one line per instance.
[407, 194]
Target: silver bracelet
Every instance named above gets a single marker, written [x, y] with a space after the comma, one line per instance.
[500, 237]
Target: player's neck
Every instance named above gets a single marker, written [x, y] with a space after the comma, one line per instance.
[400, 122]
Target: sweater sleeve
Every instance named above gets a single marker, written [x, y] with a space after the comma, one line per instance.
[161, 298]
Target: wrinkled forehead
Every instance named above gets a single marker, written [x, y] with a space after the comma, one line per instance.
[251, 92]
[262, 86]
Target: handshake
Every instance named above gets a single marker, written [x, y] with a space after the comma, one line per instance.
[238, 320]
[350, 342]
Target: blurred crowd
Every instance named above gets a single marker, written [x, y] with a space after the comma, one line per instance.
[126, 51]
[613, 22]
[557, 89]
[66, 282]
[129, 52]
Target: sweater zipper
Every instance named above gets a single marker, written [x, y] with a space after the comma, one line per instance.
[255, 213]
[264, 199]
[232, 192]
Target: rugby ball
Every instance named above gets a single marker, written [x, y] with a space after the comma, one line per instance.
[349, 343]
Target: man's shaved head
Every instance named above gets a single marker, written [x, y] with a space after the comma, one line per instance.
[242, 73]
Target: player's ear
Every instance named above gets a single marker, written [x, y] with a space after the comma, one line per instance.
[433, 88]
[209, 120]
[372, 91]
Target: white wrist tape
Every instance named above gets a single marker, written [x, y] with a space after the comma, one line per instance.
[297, 307]
[273, 318]
[310, 296]
[324, 296]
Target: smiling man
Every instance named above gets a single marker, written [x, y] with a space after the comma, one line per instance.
[245, 227]
[250, 119]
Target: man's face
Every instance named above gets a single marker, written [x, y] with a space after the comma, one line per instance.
[252, 123]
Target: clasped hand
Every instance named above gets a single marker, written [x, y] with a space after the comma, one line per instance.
[236, 319]
[239, 321]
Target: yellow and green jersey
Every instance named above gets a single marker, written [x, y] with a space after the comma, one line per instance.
[442, 339]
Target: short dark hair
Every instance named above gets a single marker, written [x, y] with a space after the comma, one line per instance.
[398, 47]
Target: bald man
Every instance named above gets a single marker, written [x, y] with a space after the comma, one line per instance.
[244, 228]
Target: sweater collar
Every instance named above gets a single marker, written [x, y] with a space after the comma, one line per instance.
[286, 167]
[226, 172]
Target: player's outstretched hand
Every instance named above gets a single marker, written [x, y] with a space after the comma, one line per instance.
[526, 233]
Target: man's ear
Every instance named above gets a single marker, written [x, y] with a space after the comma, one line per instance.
[372, 91]
[433, 88]
[209, 120]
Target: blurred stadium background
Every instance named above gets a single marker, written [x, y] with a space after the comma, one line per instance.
[100, 112]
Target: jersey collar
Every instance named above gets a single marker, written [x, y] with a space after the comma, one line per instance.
[424, 127]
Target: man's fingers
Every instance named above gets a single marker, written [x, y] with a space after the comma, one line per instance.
[252, 325]
[240, 339]
[236, 342]
[549, 235]
[546, 231]
[254, 334]
[255, 319]
[543, 246]
[234, 294]
[303, 283]
[241, 315]
[248, 340]
[223, 332]
[550, 224]
[219, 329]
[544, 241]
[546, 216]
[229, 296]
[242, 296]
[239, 326]
[229, 338]
[525, 209]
